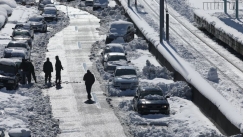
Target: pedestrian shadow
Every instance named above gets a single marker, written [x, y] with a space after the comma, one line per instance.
[89, 102]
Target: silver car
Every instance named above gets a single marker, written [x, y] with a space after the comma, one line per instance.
[43, 3]
[38, 23]
[25, 26]
[113, 47]
[113, 60]
[125, 77]
[22, 35]
[50, 14]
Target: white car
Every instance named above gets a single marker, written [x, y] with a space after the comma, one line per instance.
[120, 29]
[113, 60]
[112, 47]
[50, 13]
[38, 23]
[125, 77]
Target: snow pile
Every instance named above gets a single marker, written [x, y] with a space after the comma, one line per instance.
[7, 8]
[3, 12]
[11, 3]
[153, 97]
[2, 21]
[150, 71]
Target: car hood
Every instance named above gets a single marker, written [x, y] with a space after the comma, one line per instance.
[22, 37]
[117, 63]
[126, 78]
[153, 102]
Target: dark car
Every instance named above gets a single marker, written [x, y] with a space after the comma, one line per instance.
[38, 23]
[19, 53]
[150, 100]
[50, 14]
[20, 34]
[120, 29]
[25, 26]
[18, 44]
[42, 4]
[9, 76]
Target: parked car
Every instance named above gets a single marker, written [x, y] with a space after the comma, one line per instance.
[9, 76]
[150, 100]
[20, 53]
[113, 47]
[42, 4]
[7, 8]
[18, 44]
[125, 77]
[100, 4]
[38, 23]
[50, 5]
[50, 14]
[22, 35]
[88, 2]
[30, 2]
[25, 26]
[113, 60]
[120, 29]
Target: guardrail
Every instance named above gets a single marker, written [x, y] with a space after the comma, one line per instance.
[218, 5]
[228, 124]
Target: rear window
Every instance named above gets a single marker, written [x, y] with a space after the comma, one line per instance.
[23, 45]
[122, 72]
[116, 58]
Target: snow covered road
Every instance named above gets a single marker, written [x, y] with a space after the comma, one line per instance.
[77, 117]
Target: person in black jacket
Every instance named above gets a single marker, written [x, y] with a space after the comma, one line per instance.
[58, 67]
[24, 66]
[47, 68]
[89, 81]
[32, 71]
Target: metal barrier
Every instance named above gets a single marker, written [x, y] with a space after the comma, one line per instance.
[218, 5]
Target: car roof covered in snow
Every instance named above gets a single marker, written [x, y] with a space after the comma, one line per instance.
[37, 16]
[8, 61]
[125, 67]
[114, 45]
[121, 22]
[19, 41]
[115, 54]
[50, 8]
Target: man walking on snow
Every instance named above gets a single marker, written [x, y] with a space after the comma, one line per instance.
[58, 67]
[89, 81]
[47, 68]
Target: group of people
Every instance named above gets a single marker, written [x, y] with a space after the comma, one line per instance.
[28, 70]
[48, 69]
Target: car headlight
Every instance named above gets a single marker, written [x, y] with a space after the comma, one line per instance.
[164, 106]
[11, 81]
[143, 106]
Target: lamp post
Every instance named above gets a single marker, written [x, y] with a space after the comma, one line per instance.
[167, 25]
[161, 20]
[225, 6]
[236, 8]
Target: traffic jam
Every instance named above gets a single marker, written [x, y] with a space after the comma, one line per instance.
[141, 91]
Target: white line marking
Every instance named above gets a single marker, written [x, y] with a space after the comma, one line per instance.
[96, 100]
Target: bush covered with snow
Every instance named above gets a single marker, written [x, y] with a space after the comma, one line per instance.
[150, 71]
[11, 3]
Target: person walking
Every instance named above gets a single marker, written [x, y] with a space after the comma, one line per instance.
[25, 71]
[47, 68]
[89, 81]
[32, 71]
[58, 67]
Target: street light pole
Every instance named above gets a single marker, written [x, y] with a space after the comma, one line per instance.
[161, 20]
[128, 3]
[225, 6]
[167, 25]
[236, 8]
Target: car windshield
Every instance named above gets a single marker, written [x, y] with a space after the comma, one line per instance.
[21, 33]
[50, 11]
[114, 49]
[8, 70]
[122, 72]
[46, 2]
[35, 19]
[23, 45]
[116, 58]
[146, 93]
[118, 28]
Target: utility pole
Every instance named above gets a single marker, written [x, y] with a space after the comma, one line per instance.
[128, 3]
[236, 8]
[161, 20]
[225, 6]
[167, 25]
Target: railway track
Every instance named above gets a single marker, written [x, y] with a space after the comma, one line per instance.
[202, 43]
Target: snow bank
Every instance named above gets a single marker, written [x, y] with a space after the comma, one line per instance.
[7, 8]
[4, 12]
[2, 21]
[185, 70]
[11, 3]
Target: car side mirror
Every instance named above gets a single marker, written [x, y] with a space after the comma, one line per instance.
[129, 61]
[18, 74]
[11, 36]
[167, 96]
[136, 96]
[110, 80]
[12, 28]
[125, 53]
[101, 53]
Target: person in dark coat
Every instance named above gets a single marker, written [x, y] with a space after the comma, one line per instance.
[89, 81]
[25, 71]
[47, 68]
[58, 67]
[32, 71]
